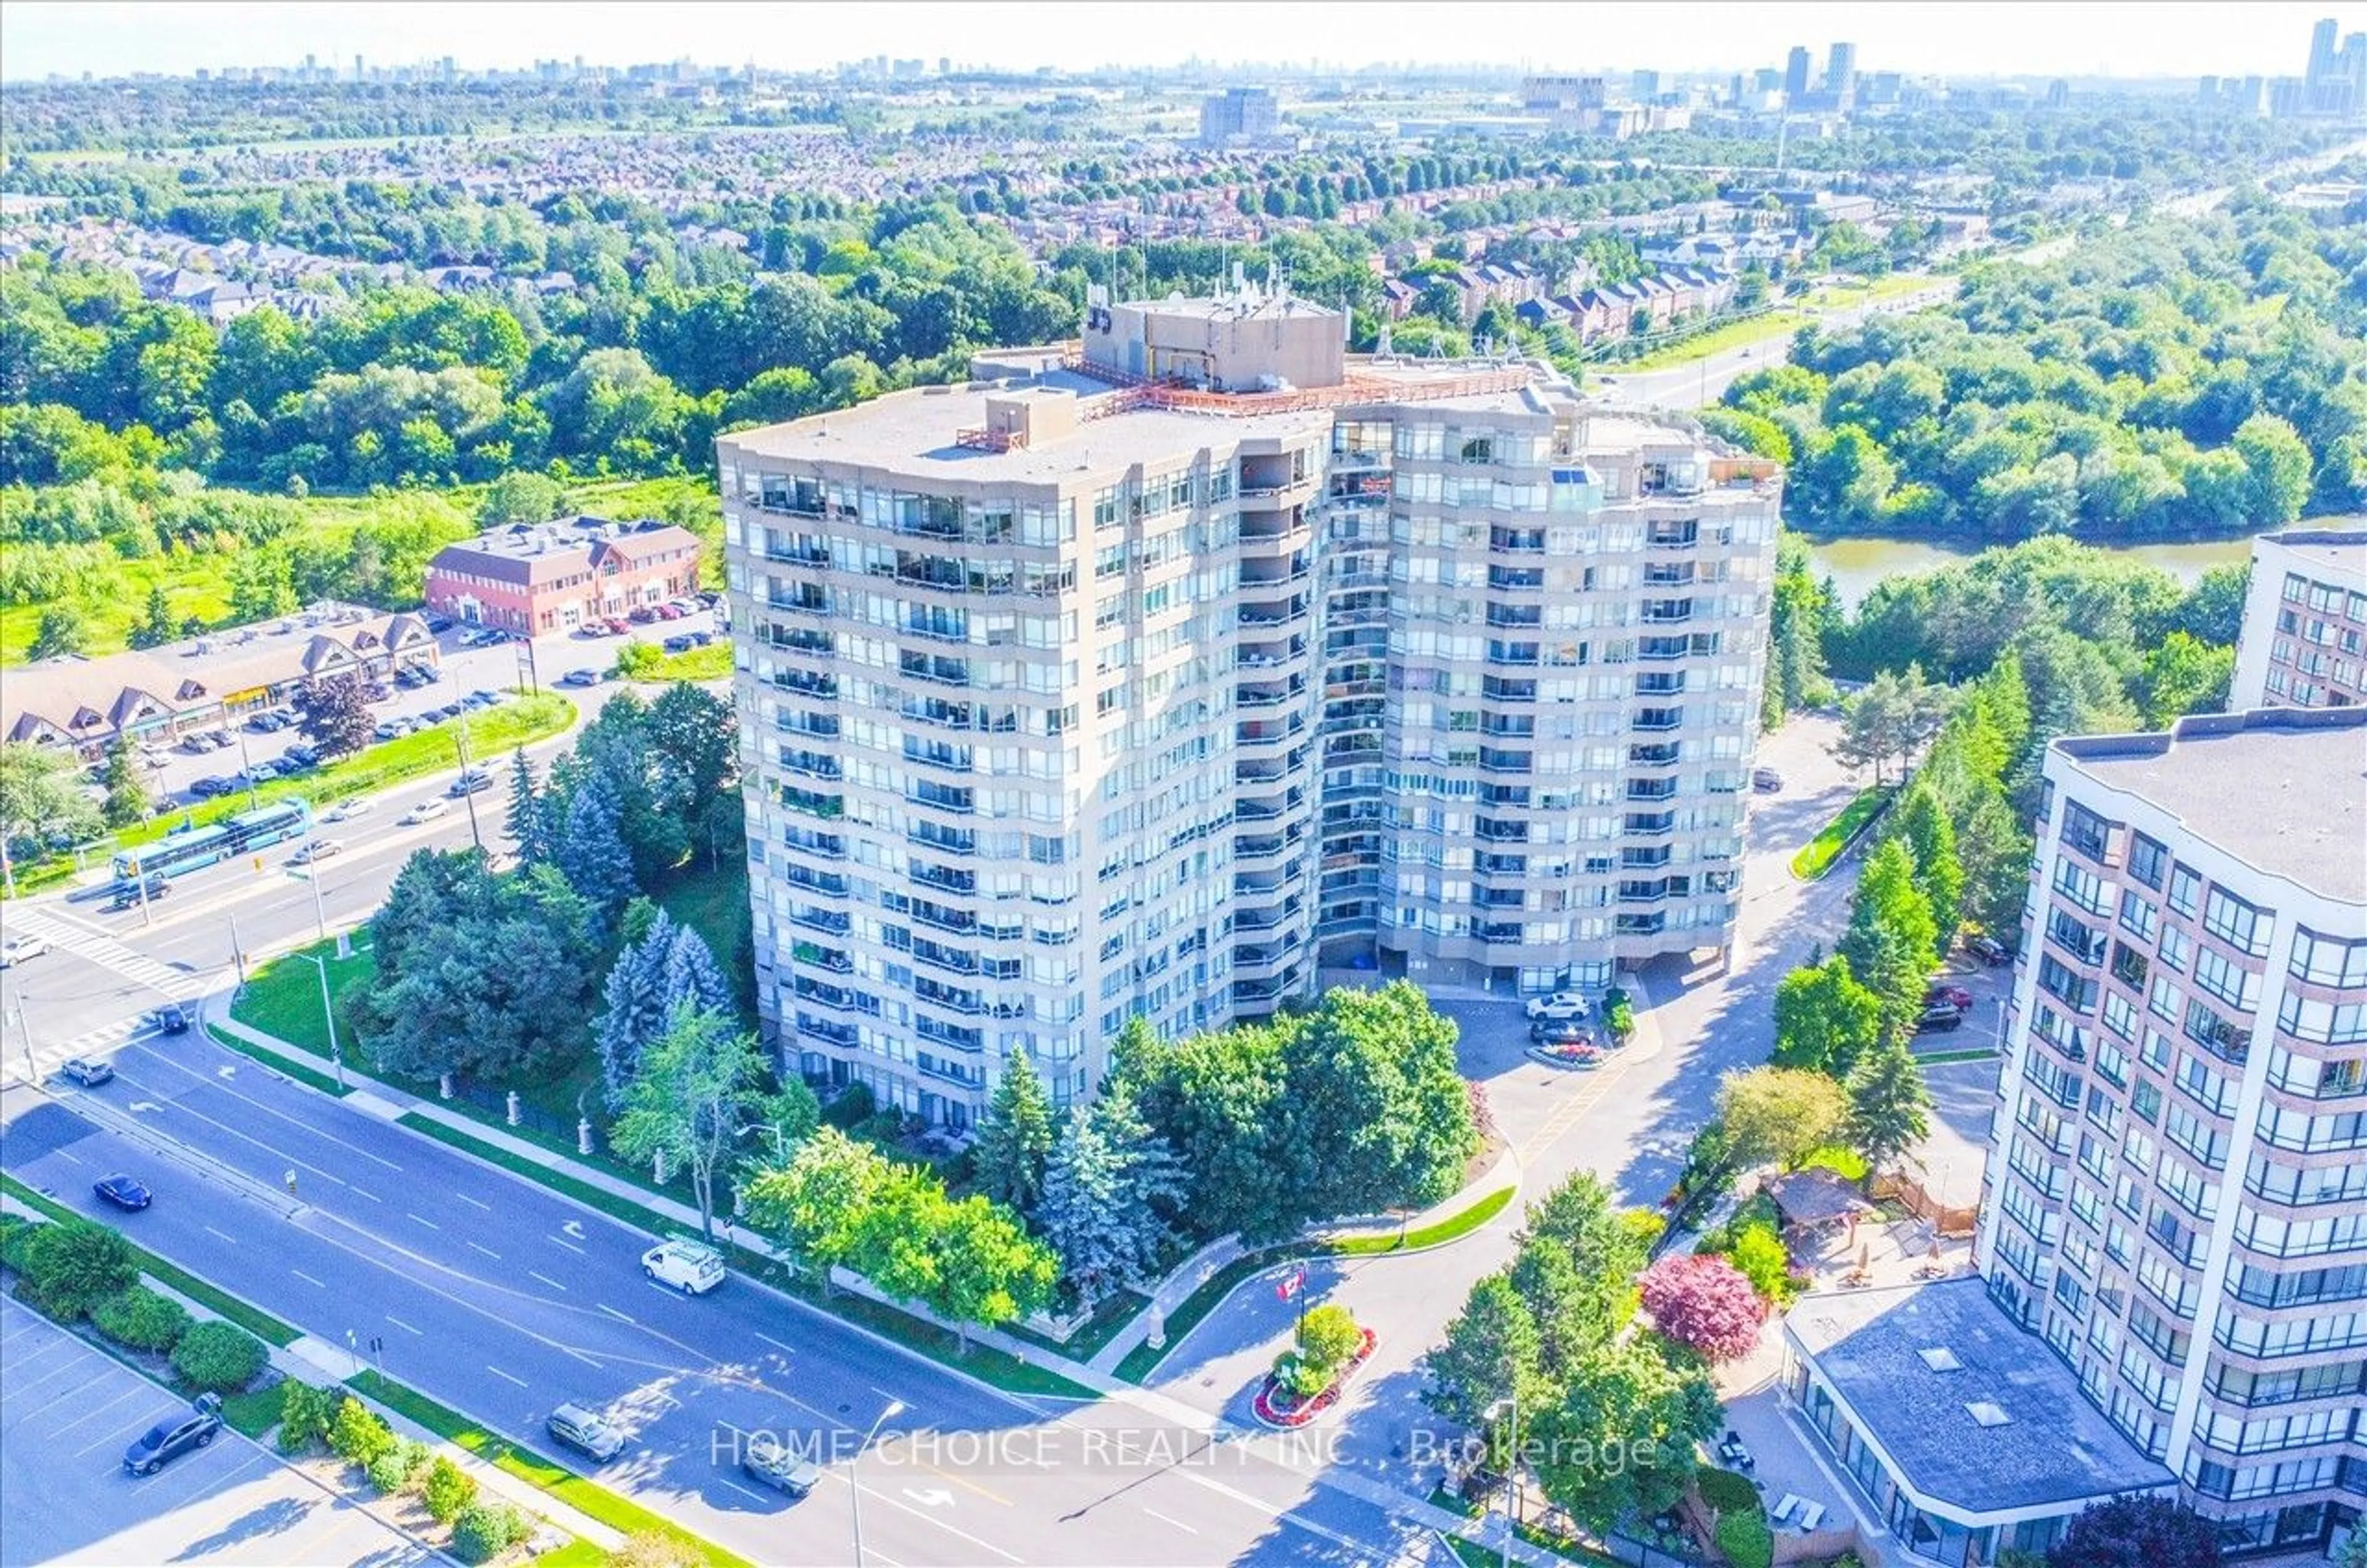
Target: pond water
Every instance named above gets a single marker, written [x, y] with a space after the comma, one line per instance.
[1856, 565]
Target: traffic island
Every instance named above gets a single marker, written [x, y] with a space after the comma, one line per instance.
[1308, 1379]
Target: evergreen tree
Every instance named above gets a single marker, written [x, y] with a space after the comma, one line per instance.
[1889, 1104]
[1922, 822]
[1015, 1138]
[155, 626]
[591, 852]
[1106, 1187]
[528, 824]
[634, 1008]
[128, 801]
[1892, 941]
[690, 974]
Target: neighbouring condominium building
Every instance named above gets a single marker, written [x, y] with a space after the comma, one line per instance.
[2177, 1195]
[1144, 675]
[2304, 642]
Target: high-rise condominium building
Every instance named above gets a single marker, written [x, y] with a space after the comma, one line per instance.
[2304, 642]
[1240, 114]
[1140, 677]
[1795, 74]
[2177, 1195]
[1841, 75]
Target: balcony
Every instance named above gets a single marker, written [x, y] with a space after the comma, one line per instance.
[808, 600]
[1515, 578]
[1651, 789]
[830, 922]
[1517, 541]
[1650, 824]
[1640, 925]
[1672, 536]
[1271, 614]
[943, 797]
[1659, 649]
[1654, 720]
[840, 1034]
[1266, 695]
[930, 667]
[945, 879]
[807, 683]
[1492, 760]
[1660, 756]
[798, 640]
[1506, 689]
[1265, 772]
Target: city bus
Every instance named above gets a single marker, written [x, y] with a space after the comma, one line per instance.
[192, 849]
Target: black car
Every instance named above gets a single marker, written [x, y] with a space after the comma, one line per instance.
[175, 1435]
[1990, 951]
[1940, 1018]
[680, 643]
[303, 755]
[211, 785]
[127, 1192]
[170, 1019]
[1556, 1032]
[125, 894]
[470, 783]
[438, 623]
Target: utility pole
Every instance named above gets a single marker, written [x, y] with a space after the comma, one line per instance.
[25, 1031]
[468, 795]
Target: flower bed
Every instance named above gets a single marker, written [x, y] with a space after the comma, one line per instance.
[1278, 1407]
[1569, 1053]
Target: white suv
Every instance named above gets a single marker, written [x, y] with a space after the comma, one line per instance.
[693, 1268]
[1560, 1008]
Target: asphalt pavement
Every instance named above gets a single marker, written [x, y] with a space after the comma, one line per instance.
[67, 1410]
[499, 1297]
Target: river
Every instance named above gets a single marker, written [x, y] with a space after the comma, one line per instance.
[1856, 565]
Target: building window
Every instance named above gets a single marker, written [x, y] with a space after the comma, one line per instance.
[2238, 924]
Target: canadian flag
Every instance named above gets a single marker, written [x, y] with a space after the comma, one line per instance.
[1292, 1283]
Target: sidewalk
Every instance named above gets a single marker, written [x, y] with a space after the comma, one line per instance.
[387, 1103]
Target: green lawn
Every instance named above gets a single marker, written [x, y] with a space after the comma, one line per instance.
[1715, 339]
[254, 1412]
[197, 582]
[586, 1497]
[1446, 1230]
[282, 998]
[311, 1077]
[1941, 1058]
[1817, 856]
[711, 661]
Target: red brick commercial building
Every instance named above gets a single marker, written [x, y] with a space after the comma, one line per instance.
[554, 577]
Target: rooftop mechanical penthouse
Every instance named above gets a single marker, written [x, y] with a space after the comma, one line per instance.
[1155, 672]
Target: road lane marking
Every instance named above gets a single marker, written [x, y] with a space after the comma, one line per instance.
[472, 1202]
[567, 1244]
[308, 1278]
[774, 1343]
[612, 1312]
[359, 1193]
[400, 1324]
[211, 1231]
[431, 1225]
[547, 1281]
[504, 1376]
[1177, 1524]
[486, 1250]
[579, 1355]
[759, 1498]
[932, 1519]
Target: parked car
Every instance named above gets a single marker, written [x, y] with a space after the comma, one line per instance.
[393, 728]
[126, 1192]
[580, 678]
[1556, 1032]
[617, 626]
[175, 1435]
[471, 782]
[437, 621]
[316, 850]
[1560, 1004]
[693, 1268]
[87, 1072]
[17, 948]
[266, 723]
[1947, 991]
[1766, 780]
[669, 612]
[1988, 950]
[575, 1427]
[702, 640]
[765, 1459]
[211, 785]
[346, 811]
[425, 811]
[304, 754]
[170, 1019]
[483, 637]
[1940, 1018]
[678, 643]
[641, 615]
[475, 702]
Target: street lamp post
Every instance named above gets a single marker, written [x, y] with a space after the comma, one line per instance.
[780, 1144]
[25, 1032]
[1511, 1472]
[468, 795]
[329, 1017]
[854, 1484]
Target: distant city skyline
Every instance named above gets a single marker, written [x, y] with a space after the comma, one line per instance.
[39, 38]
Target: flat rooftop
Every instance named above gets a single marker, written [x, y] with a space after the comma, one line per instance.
[2337, 555]
[2051, 1445]
[2284, 790]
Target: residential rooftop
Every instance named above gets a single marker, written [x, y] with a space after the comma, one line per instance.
[2284, 790]
[2339, 554]
[1941, 1429]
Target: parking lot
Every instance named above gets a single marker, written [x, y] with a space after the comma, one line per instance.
[67, 1412]
[467, 669]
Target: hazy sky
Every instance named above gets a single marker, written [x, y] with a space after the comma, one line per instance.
[2189, 38]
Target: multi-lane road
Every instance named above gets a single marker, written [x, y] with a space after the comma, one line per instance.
[500, 1298]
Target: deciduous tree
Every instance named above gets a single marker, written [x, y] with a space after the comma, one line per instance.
[40, 800]
[697, 1086]
[1824, 1019]
[1780, 1114]
[1704, 1303]
[1619, 1443]
[2123, 1532]
[333, 712]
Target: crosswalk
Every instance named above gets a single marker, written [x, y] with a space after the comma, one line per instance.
[34, 1062]
[99, 949]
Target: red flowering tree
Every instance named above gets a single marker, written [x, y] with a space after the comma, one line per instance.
[1704, 1303]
